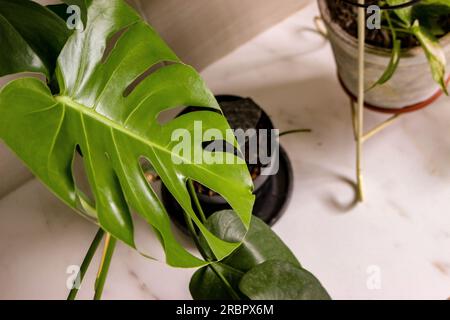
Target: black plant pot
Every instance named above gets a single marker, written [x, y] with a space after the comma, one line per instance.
[272, 192]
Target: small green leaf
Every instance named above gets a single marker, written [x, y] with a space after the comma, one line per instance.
[393, 64]
[430, 14]
[434, 53]
[280, 280]
[395, 56]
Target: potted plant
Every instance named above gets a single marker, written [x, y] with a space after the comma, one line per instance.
[268, 163]
[106, 84]
[406, 59]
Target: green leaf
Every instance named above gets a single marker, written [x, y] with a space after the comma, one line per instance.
[59, 9]
[393, 64]
[395, 55]
[65, 12]
[443, 3]
[280, 280]
[434, 53]
[430, 14]
[259, 244]
[404, 14]
[31, 37]
[82, 4]
[205, 285]
[115, 127]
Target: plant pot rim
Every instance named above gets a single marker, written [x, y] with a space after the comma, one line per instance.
[406, 109]
[260, 180]
[352, 41]
[278, 193]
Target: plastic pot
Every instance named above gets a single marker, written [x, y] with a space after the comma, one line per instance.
[411, 84]
[272, 192]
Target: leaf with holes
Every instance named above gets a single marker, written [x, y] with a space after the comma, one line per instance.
[108, 109]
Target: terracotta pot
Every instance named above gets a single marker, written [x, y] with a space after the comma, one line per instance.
[411, 84]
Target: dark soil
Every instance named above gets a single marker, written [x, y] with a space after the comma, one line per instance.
[346, 16]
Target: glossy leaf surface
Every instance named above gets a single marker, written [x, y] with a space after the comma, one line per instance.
[31, 37]
[392, 66]
[259, 245]
[280, 280]
[395, 55]
[434, 53]
[115, 126]
[431, 14]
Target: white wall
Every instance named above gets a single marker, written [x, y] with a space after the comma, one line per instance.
[202, 31]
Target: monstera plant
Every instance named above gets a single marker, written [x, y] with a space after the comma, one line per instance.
[106, 84]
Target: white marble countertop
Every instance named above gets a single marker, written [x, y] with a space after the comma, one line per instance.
[399, 236]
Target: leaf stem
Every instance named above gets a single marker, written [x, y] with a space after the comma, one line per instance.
[205, 256]
[87, 261]
[195, 237]
[391, 26]
[228, 286]
[196, 201]
[284, 133]
[397, 29]
[110, 245]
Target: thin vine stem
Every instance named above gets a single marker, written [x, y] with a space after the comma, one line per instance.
[392, 28]
[110, 245]
[396, 29]
[222, 278]
[86, 262]
[285, 133]
[205, 256]
[195, 237]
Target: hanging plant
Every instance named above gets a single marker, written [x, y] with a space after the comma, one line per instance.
[406, 56]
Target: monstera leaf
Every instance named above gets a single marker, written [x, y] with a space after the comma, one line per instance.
[31, 37]
[111, 94]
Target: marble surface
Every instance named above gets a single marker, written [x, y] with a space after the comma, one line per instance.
[396, 245]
